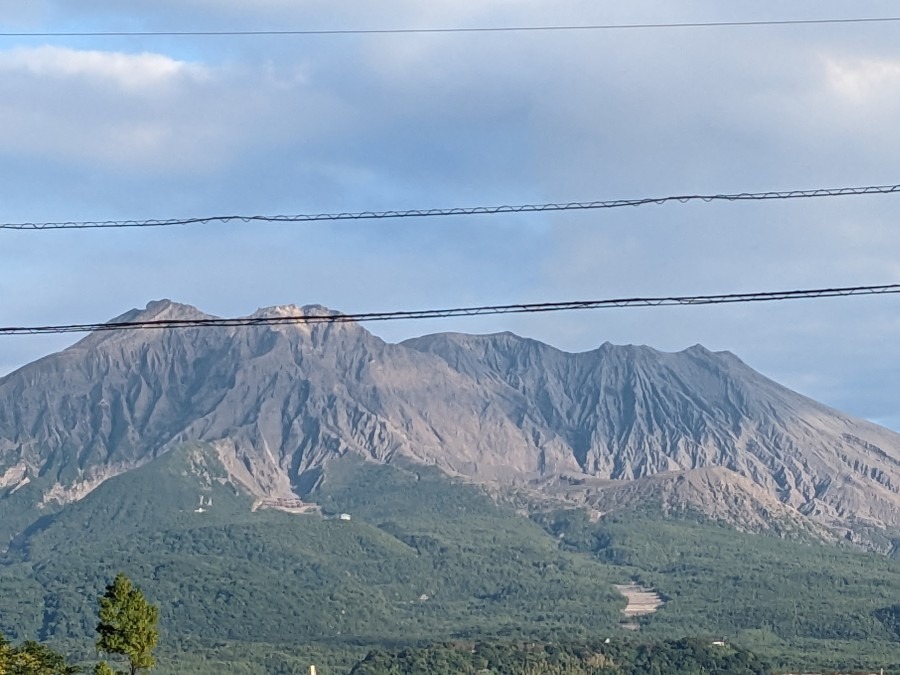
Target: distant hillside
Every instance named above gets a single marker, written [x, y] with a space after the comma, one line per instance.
[400, 568]
[631, 412]
[712, 493]
[279, 403]
[423, 559]
[623, 657]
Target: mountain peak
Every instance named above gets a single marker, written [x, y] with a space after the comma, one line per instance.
[285, 311]
[165, 309]
[282, 402]
[161, 310]
[156, 310]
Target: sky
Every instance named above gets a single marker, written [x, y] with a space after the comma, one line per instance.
[110, 128]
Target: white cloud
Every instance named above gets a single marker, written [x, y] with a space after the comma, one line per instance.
[109, 107]
[132, 73]
[149, 111]
[864, 81]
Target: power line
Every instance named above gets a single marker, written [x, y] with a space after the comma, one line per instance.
[461, 211]
[486, 29]
[530, 308]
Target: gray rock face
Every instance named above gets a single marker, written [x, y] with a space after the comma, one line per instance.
[630, 412]
[278, 402]
[714, 492]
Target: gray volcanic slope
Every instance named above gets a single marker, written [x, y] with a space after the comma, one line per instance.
[629, 412]
[278, 402]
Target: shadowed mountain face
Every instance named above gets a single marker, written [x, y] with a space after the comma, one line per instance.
[278, 402]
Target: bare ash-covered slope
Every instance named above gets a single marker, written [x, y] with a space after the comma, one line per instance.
[631, 412]
[712, 493]
[278, 402]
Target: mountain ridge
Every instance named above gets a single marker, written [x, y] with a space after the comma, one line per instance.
[279, 402]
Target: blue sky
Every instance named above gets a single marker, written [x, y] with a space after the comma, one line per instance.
[170, 127]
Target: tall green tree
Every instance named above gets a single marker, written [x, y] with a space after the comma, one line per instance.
[128, 624]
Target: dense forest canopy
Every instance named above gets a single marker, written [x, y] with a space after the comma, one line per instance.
[425, 560]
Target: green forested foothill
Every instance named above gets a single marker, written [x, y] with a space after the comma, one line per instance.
[619, 657]
[423, 559]
[450, 564]
[783, 598]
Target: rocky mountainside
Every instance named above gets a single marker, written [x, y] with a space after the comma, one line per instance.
[709, 493]
[631, 412]
[279, 402]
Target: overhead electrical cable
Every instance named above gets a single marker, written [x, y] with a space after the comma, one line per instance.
[473, 29]
[528, 308]
[461, 211]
